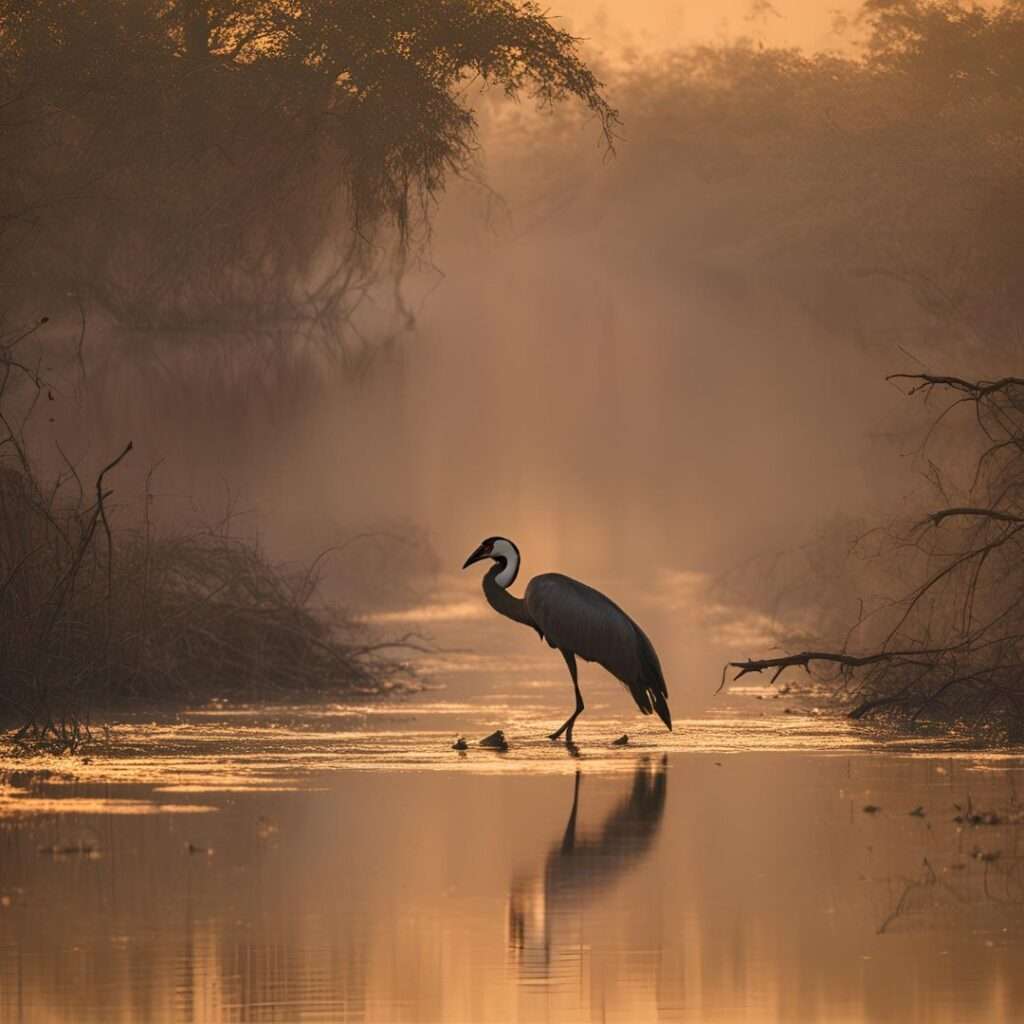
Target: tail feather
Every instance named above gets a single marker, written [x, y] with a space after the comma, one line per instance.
[661, 706]
[651, 693]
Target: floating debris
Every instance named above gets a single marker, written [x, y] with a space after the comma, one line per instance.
[917, 812]
[980, 818]
[969, 816]
[986, 856]
[871, 808]
[24, 779]
[71, 850]
[192, 848]
[461, 744]
[265, 828]
[496, 741]
[622, 741]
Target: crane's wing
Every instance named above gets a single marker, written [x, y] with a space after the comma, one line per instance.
[577, 618]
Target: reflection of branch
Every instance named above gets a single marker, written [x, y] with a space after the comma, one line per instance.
[990, 862]
[924, 882]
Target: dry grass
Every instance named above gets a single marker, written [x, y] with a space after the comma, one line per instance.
[93, 617]
[156, 620]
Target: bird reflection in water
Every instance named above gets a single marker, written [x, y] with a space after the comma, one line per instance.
[544, 908]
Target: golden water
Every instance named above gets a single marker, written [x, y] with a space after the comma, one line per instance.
[343, 863]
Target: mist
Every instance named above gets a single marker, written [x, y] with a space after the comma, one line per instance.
[649, 331]
[603, 367]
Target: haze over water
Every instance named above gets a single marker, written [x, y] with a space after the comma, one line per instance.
[600, 368]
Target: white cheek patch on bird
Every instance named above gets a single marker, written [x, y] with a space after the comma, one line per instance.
[507, 575]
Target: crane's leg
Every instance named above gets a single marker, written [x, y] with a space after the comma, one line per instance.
[570, 660]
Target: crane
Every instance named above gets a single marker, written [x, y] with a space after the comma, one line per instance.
[580, 622]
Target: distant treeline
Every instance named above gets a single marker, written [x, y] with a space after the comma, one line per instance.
[881, 189]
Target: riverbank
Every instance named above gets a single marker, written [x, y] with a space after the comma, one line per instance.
[93, 619]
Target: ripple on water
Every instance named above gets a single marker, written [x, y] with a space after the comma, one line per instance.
[279, 749]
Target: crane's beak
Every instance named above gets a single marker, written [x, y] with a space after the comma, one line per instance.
[477, 556]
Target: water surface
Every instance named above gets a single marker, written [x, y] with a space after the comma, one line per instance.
[343, 863]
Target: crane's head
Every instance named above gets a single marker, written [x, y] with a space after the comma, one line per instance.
[503, 552]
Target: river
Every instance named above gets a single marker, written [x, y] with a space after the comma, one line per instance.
[763, 862]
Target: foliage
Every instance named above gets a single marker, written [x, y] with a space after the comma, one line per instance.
[237, 165]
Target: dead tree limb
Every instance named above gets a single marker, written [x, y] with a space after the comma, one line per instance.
[935, 518]
[974, 388]
[804, 659]
[102, 513]
[950, 642]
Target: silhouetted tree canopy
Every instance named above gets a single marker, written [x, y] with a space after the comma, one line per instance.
[224, 164]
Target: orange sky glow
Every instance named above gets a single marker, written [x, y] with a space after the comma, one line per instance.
[618, 26]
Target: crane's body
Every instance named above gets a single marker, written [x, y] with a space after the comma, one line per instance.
[580, 622]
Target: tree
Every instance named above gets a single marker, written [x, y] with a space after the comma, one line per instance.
[928, 193]
[243, 165]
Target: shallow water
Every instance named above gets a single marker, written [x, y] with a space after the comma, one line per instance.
[343, 863]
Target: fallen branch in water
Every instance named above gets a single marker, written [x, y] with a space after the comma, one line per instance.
[949, 642]
[848, 662]
[802, 660]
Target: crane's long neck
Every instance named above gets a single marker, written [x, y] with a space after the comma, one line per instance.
[500, 599]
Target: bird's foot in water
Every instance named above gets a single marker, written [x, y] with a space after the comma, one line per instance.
[566, 729]
[570, 746]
